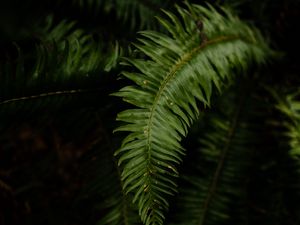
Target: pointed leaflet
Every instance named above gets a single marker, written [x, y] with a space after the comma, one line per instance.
[181, 71]
[213, 190]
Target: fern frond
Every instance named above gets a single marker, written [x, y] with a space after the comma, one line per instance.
[66, 63]
[285, 166]
[181, 71]
[213, 190]
[88, 55]
[290, 107]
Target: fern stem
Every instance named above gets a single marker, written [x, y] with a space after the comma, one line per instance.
[48, 94]
[159, 94]
[220, 166]
[171, 74]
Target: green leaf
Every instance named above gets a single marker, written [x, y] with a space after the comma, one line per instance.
[180, 71]
[64, 62]
[212, 189]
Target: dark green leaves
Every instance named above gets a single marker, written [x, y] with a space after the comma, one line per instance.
[289, 105]
[64, 61]
[181, 71]
[213, 184]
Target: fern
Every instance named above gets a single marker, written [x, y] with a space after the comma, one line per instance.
[285, 126]
[289, 106]
[213, 189]
[195, 71]
[181, 70]
[66, 59]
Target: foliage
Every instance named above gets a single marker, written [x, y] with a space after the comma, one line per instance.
[192, 123]
[189, 64]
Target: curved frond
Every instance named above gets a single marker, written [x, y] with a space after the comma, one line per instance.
[213, 190]
[204, 50]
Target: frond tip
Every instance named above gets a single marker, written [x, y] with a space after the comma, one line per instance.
[181, 71]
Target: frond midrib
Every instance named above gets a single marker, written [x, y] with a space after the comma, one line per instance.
[185, 58]
[48, 94]
[213, 185]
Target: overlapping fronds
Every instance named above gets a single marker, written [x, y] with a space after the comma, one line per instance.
[66, 60]
[213, 190]
[204, 50]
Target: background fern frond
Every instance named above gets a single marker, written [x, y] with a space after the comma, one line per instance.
[273, 185]
[289, 106]
[213, 187]
[181, 70]
[67, 62]
[89, 55]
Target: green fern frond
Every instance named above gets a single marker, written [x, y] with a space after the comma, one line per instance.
[286, 128]
[213, 190]
[205, 49]
[66, 61]
[290, 107]
[88, 55]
